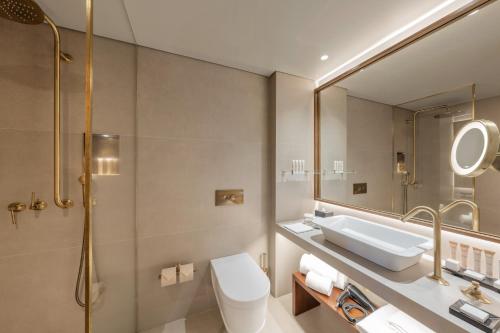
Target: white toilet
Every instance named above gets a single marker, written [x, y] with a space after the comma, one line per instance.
[241, 289]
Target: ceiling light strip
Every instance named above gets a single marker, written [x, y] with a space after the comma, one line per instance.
[389, 37]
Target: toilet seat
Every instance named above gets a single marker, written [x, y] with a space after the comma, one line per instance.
[241, 289]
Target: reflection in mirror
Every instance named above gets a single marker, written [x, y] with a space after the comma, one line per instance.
[470, 148]
[386, 133]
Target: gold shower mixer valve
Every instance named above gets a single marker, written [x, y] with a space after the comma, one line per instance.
[37, 204]
[14, 208]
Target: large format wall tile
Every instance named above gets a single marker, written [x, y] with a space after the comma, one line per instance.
[293, 137]
[294, 127]
[39, 260]
[27, 78]
[27, 164]
[115, 264]
[177, 180]
[184, 97]
[37, 292]
[159, 305]
[488, 184]
[201, 127]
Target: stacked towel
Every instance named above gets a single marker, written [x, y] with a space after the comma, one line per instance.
[320, 283]
[309, 263]
[298, 227]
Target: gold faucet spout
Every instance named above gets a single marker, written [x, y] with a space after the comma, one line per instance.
[436, 223]
[475, 211]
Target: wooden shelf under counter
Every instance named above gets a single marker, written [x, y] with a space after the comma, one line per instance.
[305, 299]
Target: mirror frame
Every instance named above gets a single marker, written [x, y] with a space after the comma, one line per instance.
[434, 27]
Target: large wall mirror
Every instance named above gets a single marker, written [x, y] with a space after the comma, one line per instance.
[384, 133]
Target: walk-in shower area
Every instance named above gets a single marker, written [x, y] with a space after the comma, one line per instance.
[164, 137]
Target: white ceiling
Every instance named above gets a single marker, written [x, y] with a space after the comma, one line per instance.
[260, 36]
[463, 53]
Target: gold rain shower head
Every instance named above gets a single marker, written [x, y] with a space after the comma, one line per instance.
[22, 11]
[28, 12]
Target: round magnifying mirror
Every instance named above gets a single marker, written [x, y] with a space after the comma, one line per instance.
[475, 148]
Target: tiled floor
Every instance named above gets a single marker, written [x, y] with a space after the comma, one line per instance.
[279, 320]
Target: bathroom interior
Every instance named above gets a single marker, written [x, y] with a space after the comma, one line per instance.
[249, 166]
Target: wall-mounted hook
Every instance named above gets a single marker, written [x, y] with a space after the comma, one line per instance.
[37, 204]
[14, 208]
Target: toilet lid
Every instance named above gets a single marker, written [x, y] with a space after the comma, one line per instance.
[240, 279]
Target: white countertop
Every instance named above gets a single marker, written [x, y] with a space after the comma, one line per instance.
[409, 290]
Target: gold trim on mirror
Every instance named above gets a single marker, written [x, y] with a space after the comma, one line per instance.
[441, 23]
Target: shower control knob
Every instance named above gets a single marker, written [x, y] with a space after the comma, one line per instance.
[37, 204]
[14, 208]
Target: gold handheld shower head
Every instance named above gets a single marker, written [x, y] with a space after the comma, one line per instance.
[22, 11]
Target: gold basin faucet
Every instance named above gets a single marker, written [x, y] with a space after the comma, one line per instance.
[436, 223]
[475, 211]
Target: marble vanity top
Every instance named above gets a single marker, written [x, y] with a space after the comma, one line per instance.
[409, 290]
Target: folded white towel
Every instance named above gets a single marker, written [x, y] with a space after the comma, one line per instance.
[308, 263]
[298, 227]
[410, 325]
[389, 319]
[376, 322]
[321, 284]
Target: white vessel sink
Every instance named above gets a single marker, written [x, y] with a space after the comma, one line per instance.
[389, 247]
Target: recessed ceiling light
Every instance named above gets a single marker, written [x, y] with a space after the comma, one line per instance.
[474, 12]
[324, 57]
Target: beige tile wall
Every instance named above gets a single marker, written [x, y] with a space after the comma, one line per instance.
[293, 123]
[334, 128]
[369, 153]
[39, 261]
[488, 184]
[361, 134]
[403, 142]
[187, 128]
[201, 127]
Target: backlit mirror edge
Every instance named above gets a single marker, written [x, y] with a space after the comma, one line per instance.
[445, 21]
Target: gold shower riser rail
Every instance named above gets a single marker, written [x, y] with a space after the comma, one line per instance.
[62, 203]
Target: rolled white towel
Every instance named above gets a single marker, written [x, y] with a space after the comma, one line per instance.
[466, 219]
[321, 284]
[304, 263]
[308, 263]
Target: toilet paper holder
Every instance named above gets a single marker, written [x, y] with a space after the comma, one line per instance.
[178, 270]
